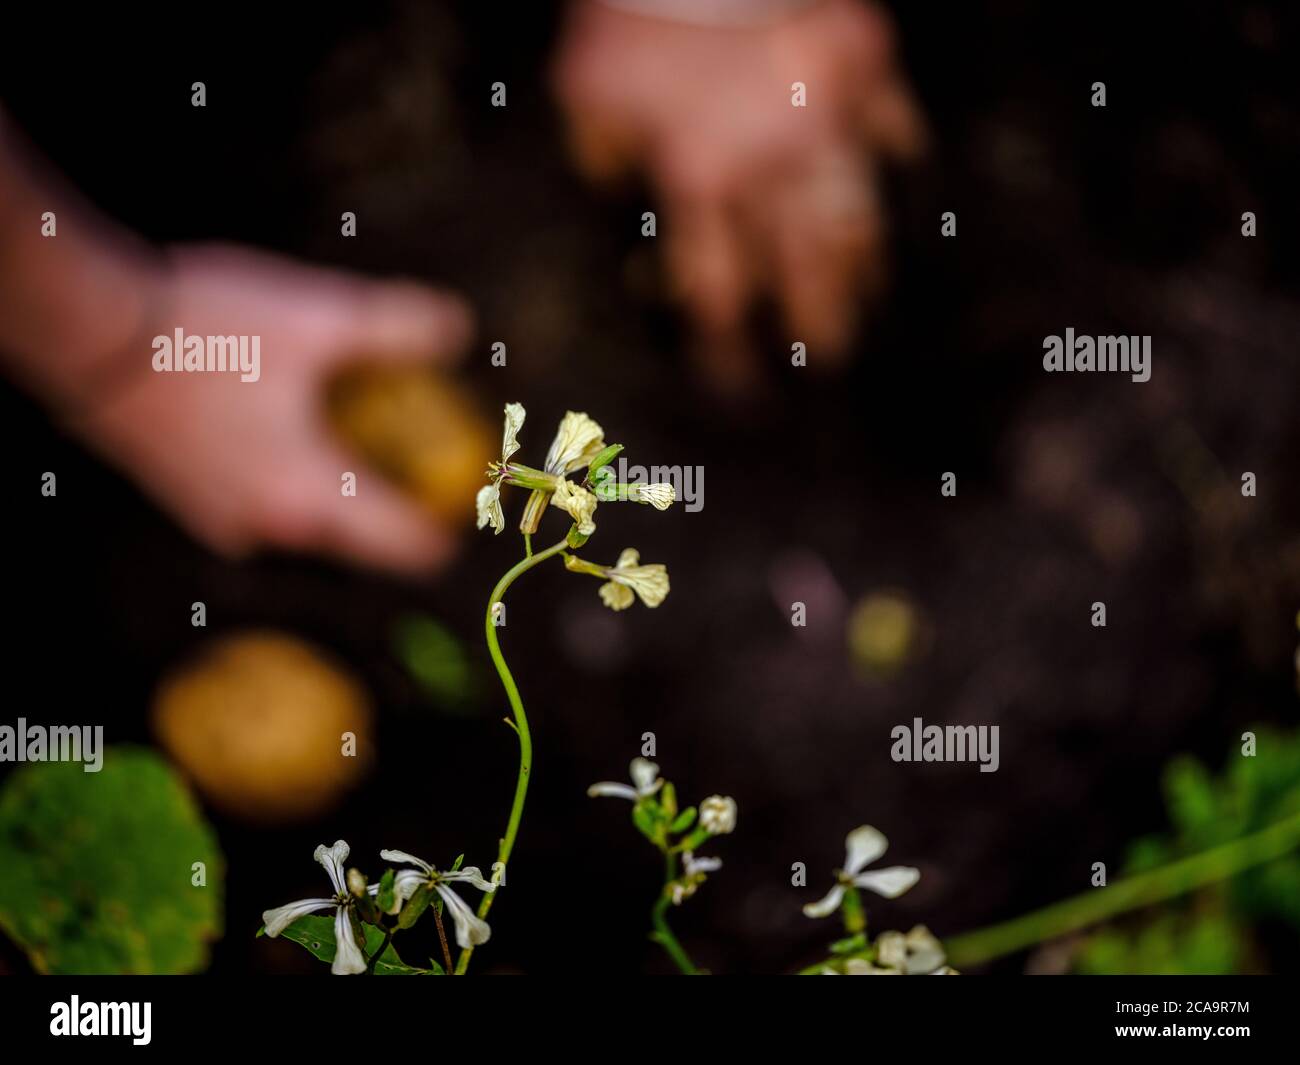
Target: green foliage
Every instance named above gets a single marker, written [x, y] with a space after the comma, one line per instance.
[1171, 944]
[317, 935]
[1210, 931]
[96, 868]
[436, 660]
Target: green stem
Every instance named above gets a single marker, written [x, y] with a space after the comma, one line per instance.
[374, 958]
[663, 935]
[520, 723]
[1144, 889]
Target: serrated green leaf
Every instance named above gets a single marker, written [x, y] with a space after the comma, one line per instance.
[96, 868]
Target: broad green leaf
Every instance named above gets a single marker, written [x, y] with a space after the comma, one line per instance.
[97, 869]
[317, 935]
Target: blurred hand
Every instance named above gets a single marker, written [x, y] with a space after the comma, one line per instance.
[759, 197]
[242, 465]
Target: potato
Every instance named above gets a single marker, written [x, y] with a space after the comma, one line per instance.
[418, 429]
[257, 722]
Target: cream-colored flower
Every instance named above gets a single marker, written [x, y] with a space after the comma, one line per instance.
[659, 496]
[349, 958]
[628, 575]
[578, 441]
[718, 814]
[918, 953]
[862, 847]
[488, 502]
[578, 503]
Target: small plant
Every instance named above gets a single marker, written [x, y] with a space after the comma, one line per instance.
[358, 938]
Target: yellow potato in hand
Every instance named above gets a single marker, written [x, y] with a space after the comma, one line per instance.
[418, 429]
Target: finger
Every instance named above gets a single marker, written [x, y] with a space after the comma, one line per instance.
[827, 254]
[892, 122]
[376, 526]
[380, 528]
[404, 321]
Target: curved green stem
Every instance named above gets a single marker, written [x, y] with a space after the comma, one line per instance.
[520, 726]
[663, 935]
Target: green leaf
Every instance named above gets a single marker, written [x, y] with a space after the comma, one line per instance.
[317, 935]
[684, 820]
[415, 907]
[851, 945]
[668, 800]
[436, 661]
[96, 869]
[384, 898]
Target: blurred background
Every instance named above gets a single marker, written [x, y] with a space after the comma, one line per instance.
[817, 488]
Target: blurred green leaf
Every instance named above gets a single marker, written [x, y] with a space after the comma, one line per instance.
[436, 661]
[96, 869]
[1211, 930]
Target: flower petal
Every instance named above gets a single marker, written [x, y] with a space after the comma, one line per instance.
[608, 789]
[659, 496]
[471, 874]
[488, 506]
[349, 959]
[578, 441]
[579, 503]
[649, 582]
[471, 930]
[515, 415]
[826, 906]
[333, 858]
[616, 596]
[890, 882]
[862, 847]
[277, 920]
[694, 865]
[409, 859]
[644, 774]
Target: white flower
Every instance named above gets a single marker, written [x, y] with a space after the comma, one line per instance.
[694, 871]
[348, 955]
[579, 503]
[862, 967]
[471, 930]
[627, 576]
[578, 440]
[659, 496]
[645, 778]
[718, 814]
[488, 502]
[863, 846]
[918, 953]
